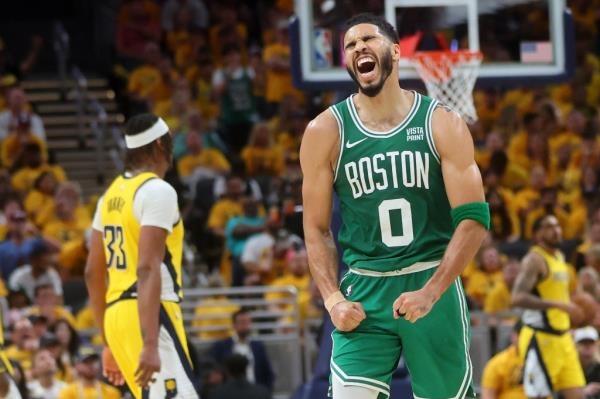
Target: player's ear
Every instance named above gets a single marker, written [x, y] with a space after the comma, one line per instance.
[396, 54]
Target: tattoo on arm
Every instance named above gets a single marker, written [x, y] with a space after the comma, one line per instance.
[444, 107]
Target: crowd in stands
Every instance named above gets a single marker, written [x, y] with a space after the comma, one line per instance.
[219, 74]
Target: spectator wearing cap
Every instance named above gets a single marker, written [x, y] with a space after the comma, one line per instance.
[503, 374]
[19, 110]
[38, 271]
[44, 384]
[238, 385]
[48, 303]
[586, 341]
[88, 384]
[31, 165]
[16, 248]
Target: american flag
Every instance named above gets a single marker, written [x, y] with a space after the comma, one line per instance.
[536, 52]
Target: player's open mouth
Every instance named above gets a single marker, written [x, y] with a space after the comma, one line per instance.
[366, 67]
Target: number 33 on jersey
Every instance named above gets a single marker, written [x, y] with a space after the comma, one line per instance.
[394, 206]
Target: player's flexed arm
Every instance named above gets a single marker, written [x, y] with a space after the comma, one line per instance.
[318, 155]
[464, 189]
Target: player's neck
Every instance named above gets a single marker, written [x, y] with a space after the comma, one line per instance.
[547, 248]
[148, 168]
[391, 101]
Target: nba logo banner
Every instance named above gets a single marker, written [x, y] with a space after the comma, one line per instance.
[323, 51]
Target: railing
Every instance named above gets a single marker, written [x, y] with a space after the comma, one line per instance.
[276, 322]
[61, 49]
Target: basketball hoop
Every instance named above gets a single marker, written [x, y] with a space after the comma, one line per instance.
[450, 77]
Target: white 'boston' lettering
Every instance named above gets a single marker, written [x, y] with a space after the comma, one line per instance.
[393, 155]
[422, 170]
[383, 184]
[366, 175]
[408, 170]
[352, 177]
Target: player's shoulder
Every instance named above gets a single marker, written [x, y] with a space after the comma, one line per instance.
[449, 130]
[324, 124]
[157, 186]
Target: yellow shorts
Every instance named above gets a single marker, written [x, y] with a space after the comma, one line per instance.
[123, 335]
[550, 363]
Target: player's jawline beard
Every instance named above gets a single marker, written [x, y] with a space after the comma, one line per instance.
[386, 70]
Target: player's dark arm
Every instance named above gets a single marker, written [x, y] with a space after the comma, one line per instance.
[96, 279]
[318, 154]
[532, 271]
[151, 248]
[463, 183]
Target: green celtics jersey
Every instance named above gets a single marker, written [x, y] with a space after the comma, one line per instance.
[393, 202]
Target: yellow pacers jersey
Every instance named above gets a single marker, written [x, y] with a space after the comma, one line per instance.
[555, 287]
[121, 233]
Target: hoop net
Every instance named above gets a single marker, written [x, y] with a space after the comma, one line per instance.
[449, 77]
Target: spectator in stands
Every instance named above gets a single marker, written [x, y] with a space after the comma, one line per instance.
[213, 375]
[498, 299]
[10, 67]
[71, 219]
[548, 205]
[88, 384]
[238, 385]
[592, 237]
[200, 76]
[199, 13]
[586, 340]
[258, 369]
[144, 79]
[233, 87]
[226, 32]
[40, 325]
[177, 108]
[15, 143]
[16, 248]
[588, 279]
[503, 374]
[215, 311]
[51, 343]
[261, 156]
[237, 232]
[488, 274]
[41, 196]
[528, 198]
[24, 343]
[48, 303]
[227, 207]
[68, 339]
[18, 110]
[44, 384]
[38, 271]
[31, 165]
[138, 24]
[277, 58]
[201, 162]
[505, 222]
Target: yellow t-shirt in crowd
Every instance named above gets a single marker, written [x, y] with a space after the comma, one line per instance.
[23, 357]
[279, 82]
[222, 211]
[143, 80]
[24, 178]
[480, 284]
[503, 374]
[208, 158]
[263, 161]
[76, 390]
[11, 147]
[498, 299]
[215, 311]
[65, 231]
[58, 313]
[302, 284]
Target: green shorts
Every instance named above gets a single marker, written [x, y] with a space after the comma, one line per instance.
[435, 348]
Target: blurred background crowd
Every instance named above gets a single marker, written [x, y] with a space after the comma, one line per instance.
[219, 74]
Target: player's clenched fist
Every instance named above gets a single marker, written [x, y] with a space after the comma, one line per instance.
[413, 305]
[346, 315]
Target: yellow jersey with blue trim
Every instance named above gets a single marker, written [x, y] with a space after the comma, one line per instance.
[129, 203]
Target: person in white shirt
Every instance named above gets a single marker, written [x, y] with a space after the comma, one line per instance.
[17, 107]
[45, 384]
[39, 271]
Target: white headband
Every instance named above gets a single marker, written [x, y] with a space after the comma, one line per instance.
[157, 130]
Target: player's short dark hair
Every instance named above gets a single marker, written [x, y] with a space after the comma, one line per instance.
[537, 225]
[136, 125]
[384, 26]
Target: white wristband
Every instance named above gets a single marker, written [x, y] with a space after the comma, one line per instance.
[333, 300]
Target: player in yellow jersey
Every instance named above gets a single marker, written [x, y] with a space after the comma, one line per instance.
[137, 240]
[545, 344]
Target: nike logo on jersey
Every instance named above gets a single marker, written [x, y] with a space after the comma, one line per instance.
[350, 145]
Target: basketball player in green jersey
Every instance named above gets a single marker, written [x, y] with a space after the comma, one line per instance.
[413, 216]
